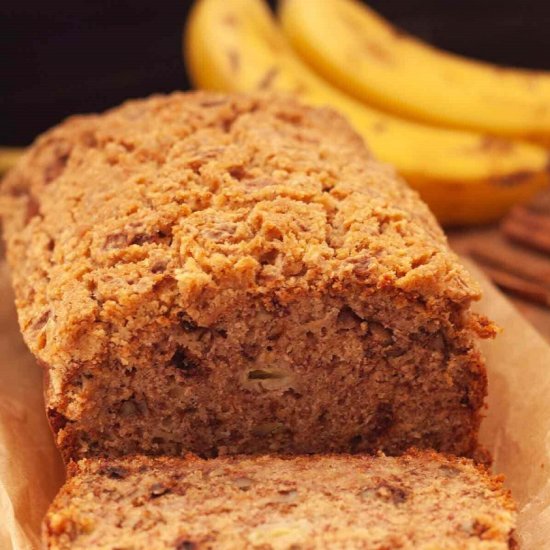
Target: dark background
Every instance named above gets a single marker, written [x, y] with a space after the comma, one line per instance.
[60, 57]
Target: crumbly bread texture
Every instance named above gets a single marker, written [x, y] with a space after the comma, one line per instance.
[421, 500]
[235, 274]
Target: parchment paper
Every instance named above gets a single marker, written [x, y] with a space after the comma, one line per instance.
[30, 467]
[516, 430]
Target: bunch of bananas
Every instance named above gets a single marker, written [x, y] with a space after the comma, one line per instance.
[469, 137]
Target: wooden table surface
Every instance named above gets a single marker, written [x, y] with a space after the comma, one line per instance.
[461, 240]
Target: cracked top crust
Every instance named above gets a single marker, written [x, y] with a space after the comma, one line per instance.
[219, 195]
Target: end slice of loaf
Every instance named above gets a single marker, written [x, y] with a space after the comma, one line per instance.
[236, 274]
[421, 500]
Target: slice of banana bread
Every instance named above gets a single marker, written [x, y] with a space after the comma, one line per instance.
[421, 500]
[236, 274]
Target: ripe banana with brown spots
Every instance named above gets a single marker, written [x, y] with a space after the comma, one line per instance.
[368, 58]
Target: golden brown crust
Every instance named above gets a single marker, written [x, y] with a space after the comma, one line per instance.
[205, 184]
[169, 248]
[420, 500]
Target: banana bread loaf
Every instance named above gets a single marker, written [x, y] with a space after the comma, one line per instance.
[421, 500]
[235, 274]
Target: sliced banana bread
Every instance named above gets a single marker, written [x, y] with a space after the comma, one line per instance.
[421, 500]
[235, 274]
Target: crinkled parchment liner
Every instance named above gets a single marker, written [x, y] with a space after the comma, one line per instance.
[516, 430]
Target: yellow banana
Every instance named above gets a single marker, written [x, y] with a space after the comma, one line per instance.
[361, 53]
[464, 177]
[8, 157]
